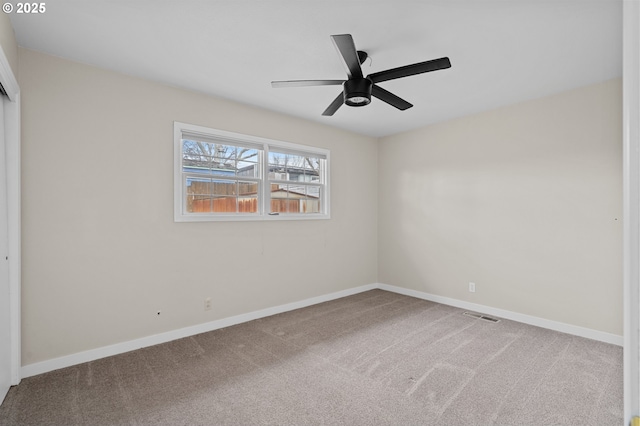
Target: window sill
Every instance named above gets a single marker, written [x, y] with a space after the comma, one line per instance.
[253, 218]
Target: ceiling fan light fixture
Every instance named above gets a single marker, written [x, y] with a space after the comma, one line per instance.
[357, 91]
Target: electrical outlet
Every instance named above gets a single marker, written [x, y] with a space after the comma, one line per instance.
[207, 304]
[472, 287]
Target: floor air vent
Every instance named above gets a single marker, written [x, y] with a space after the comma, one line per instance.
[480, 316]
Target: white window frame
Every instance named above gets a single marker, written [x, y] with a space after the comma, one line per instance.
[264, 183]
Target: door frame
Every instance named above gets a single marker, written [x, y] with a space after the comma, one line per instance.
[631, 206]
[12, 146]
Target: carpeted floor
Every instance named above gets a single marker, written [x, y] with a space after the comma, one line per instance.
[376, 358]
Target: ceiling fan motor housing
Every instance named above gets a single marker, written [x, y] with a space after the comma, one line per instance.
[357, 91]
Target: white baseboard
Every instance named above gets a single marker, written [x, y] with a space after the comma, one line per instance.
[119, 348]
[514, 316]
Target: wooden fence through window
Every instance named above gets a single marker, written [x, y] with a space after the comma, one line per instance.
[233, 197]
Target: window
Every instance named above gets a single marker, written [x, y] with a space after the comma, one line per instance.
[228, 176]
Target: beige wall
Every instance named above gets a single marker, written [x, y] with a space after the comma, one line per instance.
[101, 252]
[8, 42]
[525, 201]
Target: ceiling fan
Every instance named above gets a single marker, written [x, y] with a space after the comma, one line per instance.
[357, 89]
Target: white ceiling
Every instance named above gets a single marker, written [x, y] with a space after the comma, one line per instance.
[501, 52]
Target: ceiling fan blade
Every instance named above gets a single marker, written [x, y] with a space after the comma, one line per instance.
[407, 70]
[337, 103]
[304, 83]
[390, 98]
[347, 49]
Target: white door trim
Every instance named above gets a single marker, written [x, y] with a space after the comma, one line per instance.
[631, 206]
[12, 141]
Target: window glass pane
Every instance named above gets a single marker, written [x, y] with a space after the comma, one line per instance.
[224, 205]
[312, 169]
[198, 195]
[279, 197]
[312, 201]
[219, 159]
[247, 197]
[313, 191]
[221, 196]
[291, 198]
[294, 167]
[247, 162]
[224, 188]
[192, 154]
[310, 206]
[235, 197]
[277, 166]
